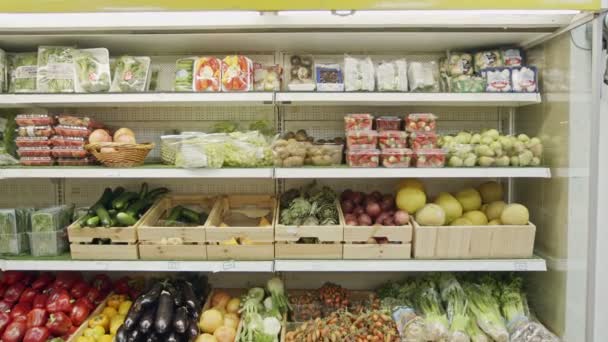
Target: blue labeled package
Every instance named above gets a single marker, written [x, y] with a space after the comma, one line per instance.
[329, 77]
[498, 80]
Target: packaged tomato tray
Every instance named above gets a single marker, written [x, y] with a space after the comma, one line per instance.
[429, 158]
[34, 120]
[69, 120]
[421, 122]
[396, 157]
[43, 151]
[361, 138]
[237, 73]
[59, 140]
[74, 161]
[69, 152]
[72, 131]
[35, 131]
[32, 141]
[417, 140]
[207, 74]
[392, 139]
[388, 123]
[37, 161]
[363, 157]
[358, 122]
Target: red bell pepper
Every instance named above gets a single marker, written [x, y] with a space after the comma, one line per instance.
[14, 332]
[13, 292]
[79, 313]
[93, 294]
[59, 300]
[40, 301]
[37, 334]
[12, 277]
[59, 324]
[43, 280]
[5, 320]
[5, 306]
[67, 279]
[20, 309]
[28, 278]
[84, 301]
[28, 296]
[102, 282]
[37, 318]
[3, 287]
[80, 289]
[121, 286]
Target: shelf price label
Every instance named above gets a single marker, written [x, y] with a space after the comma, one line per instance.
[174, 265]
[520, 266]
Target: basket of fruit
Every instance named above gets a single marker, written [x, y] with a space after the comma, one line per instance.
[121, 150]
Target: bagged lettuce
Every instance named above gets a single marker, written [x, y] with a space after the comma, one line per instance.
[7, 139]
[55, 69]
[52, 219]
[3, 72]
[92, 70]
[131, 74]
[22, 72]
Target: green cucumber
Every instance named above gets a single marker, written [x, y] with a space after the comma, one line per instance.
[191, 215]
[153, 194]
[82, 220]
[134, 209]
[143, 191]
[122, 201]
[104, 216]
[112, 212]
[103, 201]
[125, 219]
[93, 222]
[175, 213]
[117, 192]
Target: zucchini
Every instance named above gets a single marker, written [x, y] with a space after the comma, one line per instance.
[125, 219]
[153, 194]
[122, 201]
[117, 192]
[82, 220]
[113, 221]
[191, 216]
[103, 201]
[137, 207]
[175, 213]
[104, 216]
[143, 191]
[93, 222]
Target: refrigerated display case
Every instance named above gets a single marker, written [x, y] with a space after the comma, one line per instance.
[564, 46]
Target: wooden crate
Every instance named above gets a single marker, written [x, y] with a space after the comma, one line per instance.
[262, 251]
[305, 251]
[370, 251]
[473, 242]
[334, 233]
[104, 252]
[149, 231]
[215, 233]
[148, 251]
[80, 331]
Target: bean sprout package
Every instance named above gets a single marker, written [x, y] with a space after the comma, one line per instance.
[392, 75]
[131, 74]
[423, 76]
[55, 69]
[92, 70]
[359, 74]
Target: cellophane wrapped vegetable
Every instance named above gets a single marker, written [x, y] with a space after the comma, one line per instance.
[467, 84]
[392, 75]
[423, 77]
[3, 71]
[498, 80]
[456, 305]
[301, 73]
[7, 139]
[55, 69]
[486, 310]
[207, 74]
[359, 74]
[248, 149]
[184, 74]
[92, 70]
[201, 151]
[131, 74]
[487, 59]
[524, 79]
[14, 225]
[460, 64]
[22, 72]
[517, 313]
[428, 302]
[237, 73]
[52, 219]
[398, 300]
[267, 77]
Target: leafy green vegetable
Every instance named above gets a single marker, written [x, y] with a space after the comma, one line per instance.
[52, 219]
[131, 74]
[92, 70]
[22, 71]
[429, 303]
[55, 69]
[263, 126]
[48, 243]
[7, 139]
[8, 221]
[225, 127]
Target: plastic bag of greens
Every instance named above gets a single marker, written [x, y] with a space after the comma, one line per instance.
[8, 221]
[423, 76]
[55, 69]
[392, 75]
[467, 84]
[22, 72]
[7, 140]
[52, 219]
[184, 71]
[92, 70]
[131, 74]
[3, 72]
[201, 151]
[51, 243]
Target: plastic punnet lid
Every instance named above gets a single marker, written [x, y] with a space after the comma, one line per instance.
[397, 151]
[429, 151]
[363, 151]
[359, 116]
[419, 116]
[392, 134]
[388, 118]
[367, 133]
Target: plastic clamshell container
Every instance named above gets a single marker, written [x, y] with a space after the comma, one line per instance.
[74, 161]
[363, 157]
[69, 120]
[59, 141]
[14, 244]
[301, 74]
[327, 154]
[207, 74]
[37, 161]
[429, 157]
[34, 120]
[420, 122]
[48, 243]
[72, 131]
[69, 152]
[396, 157]
[35, 131]
[42, 151]
[388, 123]
[237, 73]
[32, 141]
[392, 139]
[358, 138]
[358, 122]
[417, 140]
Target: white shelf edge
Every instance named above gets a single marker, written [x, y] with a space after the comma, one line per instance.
[138, 265]
[436, 99]
[412, 265]
[50, 172]
[448, 172]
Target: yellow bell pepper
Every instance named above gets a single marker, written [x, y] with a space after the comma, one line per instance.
[124, 307]
[106, 338]
[115, 323]
[95, 333]
[115, 300]
[100, 320]
[110, 312]
[85, 339]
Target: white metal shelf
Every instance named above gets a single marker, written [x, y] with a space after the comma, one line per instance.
[138, 265]
[143, 172]
[135, 99]
[533, 264]
[401, 99]
[448, 172]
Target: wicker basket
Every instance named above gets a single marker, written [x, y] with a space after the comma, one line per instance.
[126, 155]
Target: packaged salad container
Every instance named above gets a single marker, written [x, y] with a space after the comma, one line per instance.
[325, 154]
[70, 120]
[267, 78]
[74, 161]
[429, 158]
[237, 73]
[52, 219]
[55, 69]
[72, 131]
[419, 140]
[420, 122]
[392, 139]
[358, 122]
[361, 139]
[35, 131]
[524, 79]
[512, 57]
[363, 157]
[32, 141]
[487, 59]
[22, 72]
[42, 151]
[61, 141]
[92, 67]
[388, 123]
[34, 120]
[396, 157]
[329, 77]
[392, 75]
[301, 73]
[69, 152]
[467, 84]
[460, 64]
[37, 161]
[184, 74]
[207, 74]
[131, 74]
[51, 243]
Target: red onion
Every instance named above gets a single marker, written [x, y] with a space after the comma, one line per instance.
[350, 216]
[365, 220]
[352, 222]
[358, 210]
[387, 204]
[358, 197]
[348, 206]
[401, 218]
[376, 195]
[347, 194]
[381, 218]
[373, 209]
